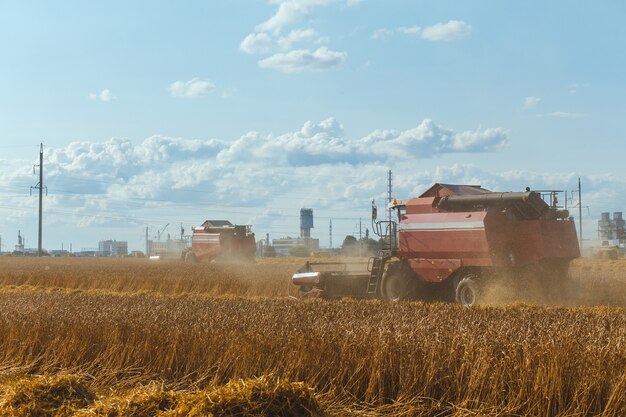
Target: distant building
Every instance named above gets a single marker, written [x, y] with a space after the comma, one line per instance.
[283, 245]
[171, 248]
[85, 253]
[306, 222]
[19, 248]
[112, 248]
[611, 229]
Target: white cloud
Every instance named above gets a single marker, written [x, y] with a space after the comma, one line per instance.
[429, 139]
[487, 140]
[113, 188]
[297, 36]
[267, 39]
[406, 30]
[325, 143]
[191, 89]
[530, 102]
[316, 143]
[104, 96]
[452, 30]
[257, 43]
[261, 43]
[161, 169]
[411, 30]
[291, 12]
[288, 13]
[302, 60]
[382, 34]
[562, 115]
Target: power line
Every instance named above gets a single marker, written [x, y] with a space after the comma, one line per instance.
[17, 146]
[238, 209]
[150, 219]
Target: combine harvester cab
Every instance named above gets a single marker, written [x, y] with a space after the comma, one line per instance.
[448, 243]
[220, 240]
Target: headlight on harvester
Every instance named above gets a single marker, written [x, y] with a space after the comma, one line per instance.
[306, 278]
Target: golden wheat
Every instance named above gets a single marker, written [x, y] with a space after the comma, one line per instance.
[267, 279]
[70, 396]
[201, 343]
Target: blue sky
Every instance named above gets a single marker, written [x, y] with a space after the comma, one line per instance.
[161, 112]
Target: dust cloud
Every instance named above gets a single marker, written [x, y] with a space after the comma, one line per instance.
[588, 282]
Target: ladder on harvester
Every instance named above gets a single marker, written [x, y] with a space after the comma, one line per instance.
[375, 267]
[387, 230]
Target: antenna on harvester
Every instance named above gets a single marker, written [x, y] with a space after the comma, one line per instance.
[40, 187]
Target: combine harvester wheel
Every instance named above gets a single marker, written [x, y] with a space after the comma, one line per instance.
[396, 284]
[190, 257]
[467, 290]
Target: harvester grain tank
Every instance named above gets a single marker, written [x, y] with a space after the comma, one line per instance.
[449, 242]
[221, 240]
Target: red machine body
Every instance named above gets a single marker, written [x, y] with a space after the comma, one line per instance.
[220, 239]
[451, 240]
[438, 238]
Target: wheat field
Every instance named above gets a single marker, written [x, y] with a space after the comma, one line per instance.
[131, 337]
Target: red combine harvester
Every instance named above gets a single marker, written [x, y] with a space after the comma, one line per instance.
[221, 240]
[450, 241]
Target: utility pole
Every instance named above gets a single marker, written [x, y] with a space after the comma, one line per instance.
[391, 230]
[580, 214]
[580, 211]
[330, 233]
[360, 238]
[389, 194]
[40, 187]
[147, 243]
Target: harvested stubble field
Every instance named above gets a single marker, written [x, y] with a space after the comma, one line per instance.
[91, 337]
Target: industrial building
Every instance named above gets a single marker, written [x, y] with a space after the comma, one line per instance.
[611, 230]
[283, 245]
[112, 248]
[611, 236]
[170, 249]
[19, 248]
[306, 223]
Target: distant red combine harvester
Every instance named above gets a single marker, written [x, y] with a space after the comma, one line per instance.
[221, 240]
[450, 241]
